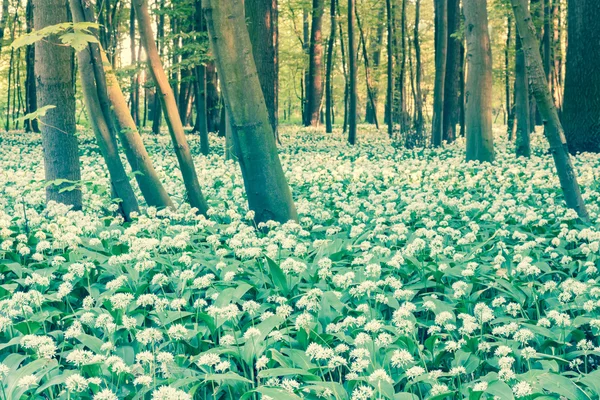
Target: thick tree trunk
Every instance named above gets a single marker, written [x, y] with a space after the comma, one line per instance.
[269, 195]
[30, 93]
[452, 80]
[478, 118]
[581, 108]
[390, 68]
[352, 74]
[167, 99]
[314, 84]
[554, 131]
[329, 71]
[522, 146]
[261, 19]
[54, 78]
[441, 50]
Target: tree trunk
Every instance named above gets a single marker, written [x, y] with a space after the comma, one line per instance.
[167, 99]
[352, 73]
[269, 195]
[370, 94]
[30, 94]
[371, 113]
[581, 108]
[134, 97]
[160, 35]
[478, 118]
[507, 104]
[418, 72]
[3, 19]
[390, 68]
[314, 83]
[554, 131]
[441, 50]
[261, 19]
[329, 71]
[522, 146]
[452, 80]
[54, 78]
[213, 101]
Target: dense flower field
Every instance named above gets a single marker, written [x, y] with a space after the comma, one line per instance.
[410, 275]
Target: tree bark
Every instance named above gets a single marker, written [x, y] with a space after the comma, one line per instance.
[269, 195]
[54, 76]
[441, 54]
[329, 71]
[169, 106]
[160, 35]
[554, 131]
[371, 113]
[30, 93]
[478, 118]
[352, 73]
[201, 124]
[314, 82]
[418, 72]
[522, 146]
[390, 68]
[581, 108]
[262, 22]
[3, 19]
[370, 94]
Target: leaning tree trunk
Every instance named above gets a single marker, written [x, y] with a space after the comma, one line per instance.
[169, 106]
[352, 72]
[522, 145]
[452, 80]
[314, 84]
[441, 50]
[581, 107]
[478, 118]
[261, 17]
[329, 71]
[54, 78]
[553, 128]
[269, 195]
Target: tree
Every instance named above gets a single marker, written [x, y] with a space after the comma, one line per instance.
[441, 54]
[581, 107]
[352, 73]
[418, 72]
[54, 79]
[201, 125]
[523, 146]
[376, 45]
[3, 19]
[478, 114]
[553, 128]
[30, 93]
[269, 195]
[261, 17]
[453, 68]
[314, 90]
[390, 67]
[329, 71]
[169, 106]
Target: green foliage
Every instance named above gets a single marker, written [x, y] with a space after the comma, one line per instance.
[74, 34]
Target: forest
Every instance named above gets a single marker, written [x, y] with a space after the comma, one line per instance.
[299, 199]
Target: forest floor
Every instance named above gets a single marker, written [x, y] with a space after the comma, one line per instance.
[410, 274]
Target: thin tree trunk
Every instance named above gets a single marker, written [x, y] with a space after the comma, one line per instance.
[441, 54]
[478, 117]
[370, 94]
[314, 83]
[269, 195]
[376, 45]
[453, 66]
[390, 68]
[507, 104]
[54, 76]
[213, 101]
[418, 72]
[329, 71]
[522, 146]
[182, 149]
[134, 96]
[554, 131]
[30, 93]
[352, 73]
[3, 19]
[262, 22]
[200, 85]
[156, 106]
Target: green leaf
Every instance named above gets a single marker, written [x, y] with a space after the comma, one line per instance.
[562, 385]
[277, 276]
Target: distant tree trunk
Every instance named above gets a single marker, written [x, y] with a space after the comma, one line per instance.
[305, 49]
[371, 113]
[522, 147]
[182, 97]
[507, 104]
[418, 72]
[462, 86]
[546, 42]
[390, 68]
[329, 71]
[370, 95]
[30, 94]
[441, 54]
[554, 131]
[134, 96]
[557, 84]
[478, 118]
[581, 108]
[200, 85]
[54, 78]
[213, 101]
[261, 19]
[160, 35]
[345, 70]
[165, 93]
[314, 84]
[452, 80]
[352, 74]
[3, 19]
[269, 195]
